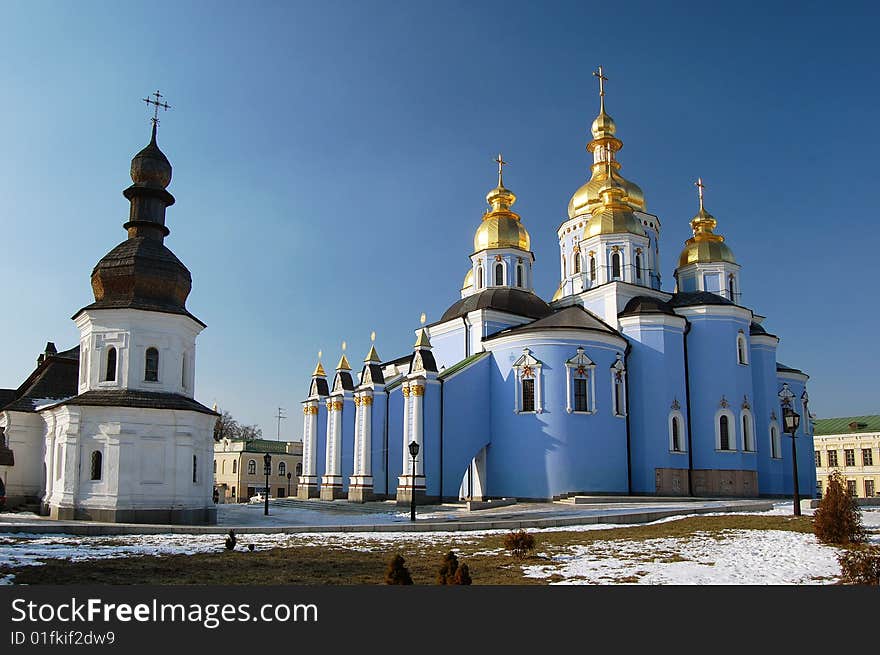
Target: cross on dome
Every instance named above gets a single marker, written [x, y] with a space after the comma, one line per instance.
[602, 79]
[501, 164]
[157, 103]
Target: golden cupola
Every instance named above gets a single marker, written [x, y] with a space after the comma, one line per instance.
[612, 214]
[501, 227]
[603, 147]
[705, 246]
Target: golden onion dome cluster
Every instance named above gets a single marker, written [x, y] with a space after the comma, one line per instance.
[501, 227]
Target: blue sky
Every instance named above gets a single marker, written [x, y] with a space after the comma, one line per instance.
[331, 161]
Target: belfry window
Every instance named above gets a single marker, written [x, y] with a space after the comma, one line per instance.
[741, 349]
[151, 365]
[111, 365]
[577, 262]
[499, 274]
[479, 277]
[528, 395]
[615, 265]
[638, 267]
[593, 269]
[96, 465]
[731, 288]
[519, 275]
[564, 272]
[252, 467]
[183, 371]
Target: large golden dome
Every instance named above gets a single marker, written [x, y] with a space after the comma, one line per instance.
[585, 198]
[501, 227]
[612, 215]
[705, 246]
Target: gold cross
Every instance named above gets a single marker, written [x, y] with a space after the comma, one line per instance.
[700, 186]
[602, 79]
[158, 103]
[501, 165]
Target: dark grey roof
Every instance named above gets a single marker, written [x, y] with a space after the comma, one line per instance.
[347, 380]
[646, 305]
[502, 299]
[140, 399]
[376, 374]
[56, 376]
[782, 367]
[574, 317]
[689, 298]
[400, 360]
[6, 396]
[428, 361]
[756, 328]
[321, 385]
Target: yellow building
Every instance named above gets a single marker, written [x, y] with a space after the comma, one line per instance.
[850, 445]
[239, 469]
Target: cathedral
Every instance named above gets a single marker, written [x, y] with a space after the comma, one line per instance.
[614, 386]
[109, 430]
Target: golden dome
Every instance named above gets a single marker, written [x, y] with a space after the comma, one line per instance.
[612, 215]
[501, 227]
[557, 295]
[468, 279]
[585, 198]
[604, 126]
[705, 246]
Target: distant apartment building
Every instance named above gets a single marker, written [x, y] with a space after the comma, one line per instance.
[850, 445]
[239, 471]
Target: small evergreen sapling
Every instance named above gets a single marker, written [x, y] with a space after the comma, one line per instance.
[463, 575]
[230, 540]
[446, 574]
[838, 519]
[397, 573]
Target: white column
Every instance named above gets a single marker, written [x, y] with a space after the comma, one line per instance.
[407, 460]
[366, 435]
[417, 393]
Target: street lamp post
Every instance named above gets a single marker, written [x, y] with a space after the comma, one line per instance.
[288, 483]
[267, 468]
[791, 419]
[413, 451]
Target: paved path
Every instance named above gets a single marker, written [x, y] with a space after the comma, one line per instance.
[318, 516]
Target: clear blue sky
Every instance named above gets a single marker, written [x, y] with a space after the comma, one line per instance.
[331, 161]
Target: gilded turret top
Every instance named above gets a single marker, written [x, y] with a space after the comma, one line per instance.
[501, 227]
[705, 246]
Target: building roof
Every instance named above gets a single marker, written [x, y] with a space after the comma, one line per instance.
[780, 367]
[267, 446]
[55, 377]
[574, 317]
[139, 399]
[464, 363]
[691, 298]
[847, 425]
[502, 299]
[647, 305]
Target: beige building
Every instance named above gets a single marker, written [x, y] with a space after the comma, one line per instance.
[239, 468]
[850, 445]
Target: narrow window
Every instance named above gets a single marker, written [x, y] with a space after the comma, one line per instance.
[676, 436]
[282, 468]
[747, 434]
[234, 467]
[580, 395]
[724, 428]
[299, 470]
[849, 457]
[83, 363]
[832, 458]
[577, 262]
[151, 365]
[818, 458]
[869, 488]
[528, 395]
[563, 267]
[252, 467]
[867, 457]
[730, 287]
[638, 267]
[615, 265]
[233, 493]
[851, 488]
[499, 275]
[215, 467]
[593, 269]
[111, 365]
[774, 443]
[479, 277]
[195, 469]
[519, 275]
[741, 349]
[96, 465]
[183, 371]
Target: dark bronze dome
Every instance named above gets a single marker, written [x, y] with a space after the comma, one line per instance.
[150, 167]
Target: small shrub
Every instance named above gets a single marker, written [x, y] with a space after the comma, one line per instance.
[838, 519]
[397, 573]
[519, 543]
[860, 566]
[231, 540]
[463, 575]
[251, 547]
[446, 574]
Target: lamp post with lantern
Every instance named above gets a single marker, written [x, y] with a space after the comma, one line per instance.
[288, 483]
[413, 451]
[267, 468]
[790, 420]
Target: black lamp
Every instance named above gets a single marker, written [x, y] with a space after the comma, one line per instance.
[267, 468]
[414, 452]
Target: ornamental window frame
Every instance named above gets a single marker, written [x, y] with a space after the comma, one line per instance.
[480, 276]
[499, 266]
[675, 416]
[96, 466]
[592, 268]
[151, 374]
[742, 349]
[111, 364]
[618, 387]
[747, 427]
[520, 276]
[252, 467]
[527, 367]
[576, 262]
[731, 430]
[282, 468]
[580, 367]
[619, 274]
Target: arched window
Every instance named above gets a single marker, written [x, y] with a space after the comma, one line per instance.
[215, 467]
[593, 269]
[282, 468]
[730, 287]
[564, 272]
[235, 466]
[299, 469]
[111, 365]
[195, 469]
[577, 262]
[638, 267]
[724, 430]
[741, 349]
[528, 395]
[676, 434]
[479, 277]
[748, 440]
[499, 274]
[151, 365]
[96, 465]
[183, 371]
[252, 467]
[775, 446]
[519, 275]
[615, 265]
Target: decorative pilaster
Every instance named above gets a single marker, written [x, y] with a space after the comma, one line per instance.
[307, 486]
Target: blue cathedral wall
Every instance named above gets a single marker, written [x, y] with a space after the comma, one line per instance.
[321, 439]
[378, 440]
[771, 471]
[655, 373]
[347, 455]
